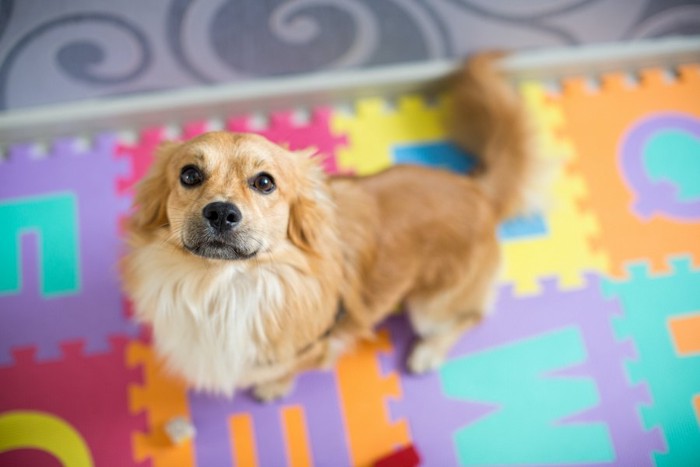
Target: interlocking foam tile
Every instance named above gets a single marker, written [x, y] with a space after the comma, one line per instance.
[75, 408]
[649, 303]
[59, 247]
[547, 371]
[374, 131]
[565, 251]
[637, 149]
[161, 398]
[268, 434]
[139, 156]
[316, 133]
[192, 129]
[372, 433]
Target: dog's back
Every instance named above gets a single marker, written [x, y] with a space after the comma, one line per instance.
[429, 236]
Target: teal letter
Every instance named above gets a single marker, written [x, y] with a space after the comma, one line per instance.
[524, 430]
[54, 221]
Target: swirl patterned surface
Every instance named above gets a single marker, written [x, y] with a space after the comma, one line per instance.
[54, 52]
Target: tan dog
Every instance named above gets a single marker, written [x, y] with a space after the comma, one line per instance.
[251, 265]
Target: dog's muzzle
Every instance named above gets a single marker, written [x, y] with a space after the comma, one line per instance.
[218, 234]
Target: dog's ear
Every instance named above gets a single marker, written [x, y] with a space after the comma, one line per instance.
[311, 211]
[152, 193]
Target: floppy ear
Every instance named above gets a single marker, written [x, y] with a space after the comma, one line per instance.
[311, 212]
[152, 193]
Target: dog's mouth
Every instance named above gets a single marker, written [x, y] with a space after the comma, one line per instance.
[231, 246]
[216, 249]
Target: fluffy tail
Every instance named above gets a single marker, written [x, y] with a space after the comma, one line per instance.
[489, 121]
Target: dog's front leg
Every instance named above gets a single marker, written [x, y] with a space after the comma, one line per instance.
[279, 385]
[271, 391]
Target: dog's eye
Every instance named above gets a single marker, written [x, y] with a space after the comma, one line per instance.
[191, 176]
[263, 182]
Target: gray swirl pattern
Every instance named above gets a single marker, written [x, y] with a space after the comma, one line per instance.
[57, 51]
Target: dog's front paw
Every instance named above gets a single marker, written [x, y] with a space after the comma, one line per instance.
[274, 390]
[424, 358]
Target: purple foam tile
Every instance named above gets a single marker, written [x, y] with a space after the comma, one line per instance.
[18, 154]
[93, 310]
[592, 314]
[518, 318]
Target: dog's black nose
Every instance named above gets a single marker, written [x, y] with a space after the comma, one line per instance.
[222, 216]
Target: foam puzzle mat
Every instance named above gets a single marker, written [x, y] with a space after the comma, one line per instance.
[592, 356]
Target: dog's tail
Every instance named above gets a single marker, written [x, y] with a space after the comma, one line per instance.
[489, 121]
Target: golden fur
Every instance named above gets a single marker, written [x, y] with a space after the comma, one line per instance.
[423, 236]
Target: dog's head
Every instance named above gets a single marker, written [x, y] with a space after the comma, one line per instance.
[232, 196]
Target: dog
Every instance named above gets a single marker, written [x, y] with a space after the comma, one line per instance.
[251, 264]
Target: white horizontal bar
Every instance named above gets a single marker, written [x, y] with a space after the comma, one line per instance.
[328, 88]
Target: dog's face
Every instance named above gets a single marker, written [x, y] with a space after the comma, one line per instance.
[230, 196]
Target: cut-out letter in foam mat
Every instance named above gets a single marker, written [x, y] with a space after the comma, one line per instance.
[565, 348]
[52, 219]
[660, 161]
[63, 269]
[28, 429]
[685, 330]
[650, 304]
[440, 154]
[314, 402]
[524, 365]
[646, 209]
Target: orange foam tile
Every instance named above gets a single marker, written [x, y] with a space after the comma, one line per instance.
[162, 398]
[596, 123]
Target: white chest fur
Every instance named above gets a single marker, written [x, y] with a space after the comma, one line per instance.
[207, 319]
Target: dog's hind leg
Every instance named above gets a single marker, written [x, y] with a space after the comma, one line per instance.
[440, 318]
[430, 351]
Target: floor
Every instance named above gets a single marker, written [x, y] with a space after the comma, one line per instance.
[592, 356]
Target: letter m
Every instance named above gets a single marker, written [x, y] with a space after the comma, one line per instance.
[526, 427]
